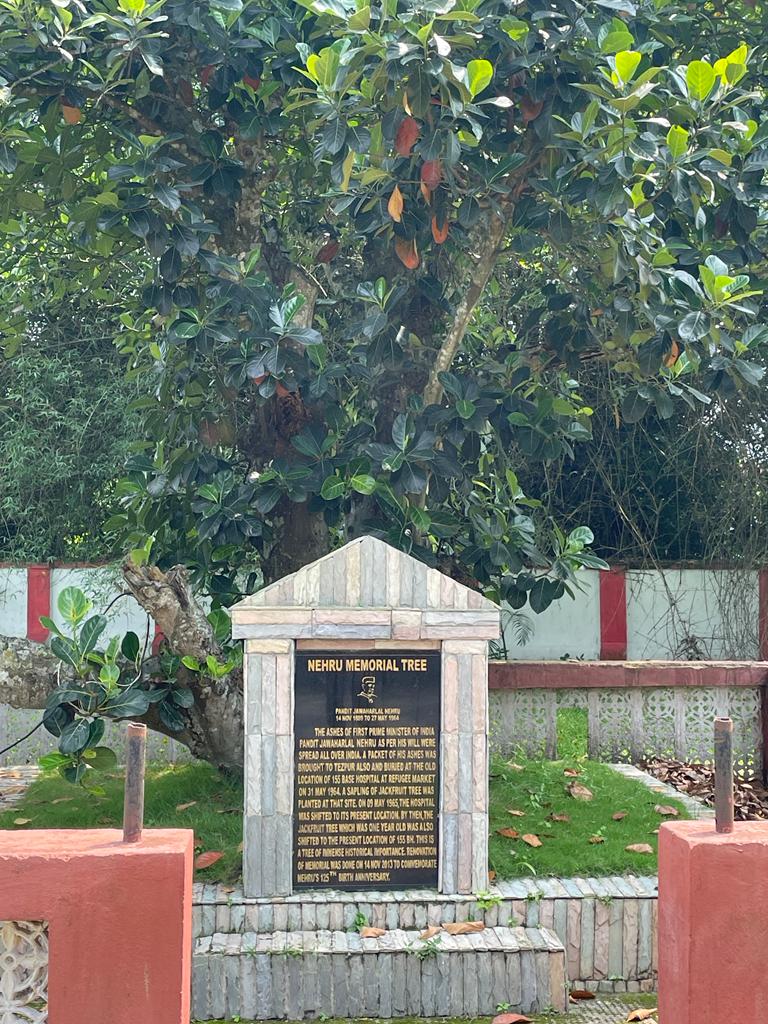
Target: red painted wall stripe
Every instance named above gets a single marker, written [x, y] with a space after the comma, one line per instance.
[613, 615]
[762, 615]
[38, 600]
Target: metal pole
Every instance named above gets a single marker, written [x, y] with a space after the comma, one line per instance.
[133, 807]
[724, 775]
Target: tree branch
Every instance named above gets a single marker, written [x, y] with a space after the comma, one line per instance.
[481, 274]
[167, 598]
[28, 673]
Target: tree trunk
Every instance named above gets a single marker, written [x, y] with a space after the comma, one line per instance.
[214, 725]
[304, 537]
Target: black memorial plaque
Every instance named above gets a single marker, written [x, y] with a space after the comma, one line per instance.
[367, 743]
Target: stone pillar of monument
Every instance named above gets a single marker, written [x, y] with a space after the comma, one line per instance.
[366, 746]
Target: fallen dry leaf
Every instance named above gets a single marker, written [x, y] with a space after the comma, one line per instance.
[184, 807]
[639, 848]
[531, 839]
[240, 847]
[515, 813]
[515, 767]
[559, 817]
[510, 833]
[491, 876]
[596, 840]
[226, 888]
[429, 933]
[62, 800]
[372, 933]
[619, 815]
[581, 993]
[634, 1015]
[21, 821]
[579, 791]
[206, 859]
[666, 810]
[463, 927]
[571, 772]
[510, 1018]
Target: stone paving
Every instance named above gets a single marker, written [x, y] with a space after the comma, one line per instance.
[608, 1010]
[14, 783]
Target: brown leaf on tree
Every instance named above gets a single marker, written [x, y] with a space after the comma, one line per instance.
[581, 993]
[531, 108]
[671, 357]
[635, 1015]
[396, 204]
[515, 813]
[206, 859]
[439, 233]
[531, 839]
[571, 772]
[580, 792]
[639, 848]
[619, 815]
[425, 192]
[430, 933]
[431, 173]
[184, 807]
[205, 74]
[407, 252]
[254, 83]
[407, 133]
[72, 115]
[596, 839]
[666, 811]
[510, 833]
[372, 933]
[463, 927]
[328, 251]
[559, 817]
[510, 1018]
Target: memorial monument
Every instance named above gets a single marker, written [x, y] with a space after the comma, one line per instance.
[366, 808]
[366, 689]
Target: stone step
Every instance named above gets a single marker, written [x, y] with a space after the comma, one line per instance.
[219, 908]
[293, 975]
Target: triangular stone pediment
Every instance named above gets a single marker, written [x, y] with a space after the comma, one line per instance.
[368, 573]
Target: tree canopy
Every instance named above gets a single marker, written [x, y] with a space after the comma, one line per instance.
[375, 246]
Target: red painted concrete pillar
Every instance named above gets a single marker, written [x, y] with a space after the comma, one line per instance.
[613, 615]
[38, 600]
[119, 920]
[713, 909]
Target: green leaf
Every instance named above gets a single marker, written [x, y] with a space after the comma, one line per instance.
[73, 605]
[128, 703]
[700, 79]
[465, 409]
[8, 160]
[91, 631]
[677, 140]
[619, 39]
[333, 487]
[101, 758]
[66, 651]
[130, 646]
[626, 64]
[694, 326]
[363, 483]
[581, 535]
[50, 762]
[74, 737]
[188, 661]
[515, 28]
[480, 73]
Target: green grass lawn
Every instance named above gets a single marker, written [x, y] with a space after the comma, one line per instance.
[216, 815]
[536, 788]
